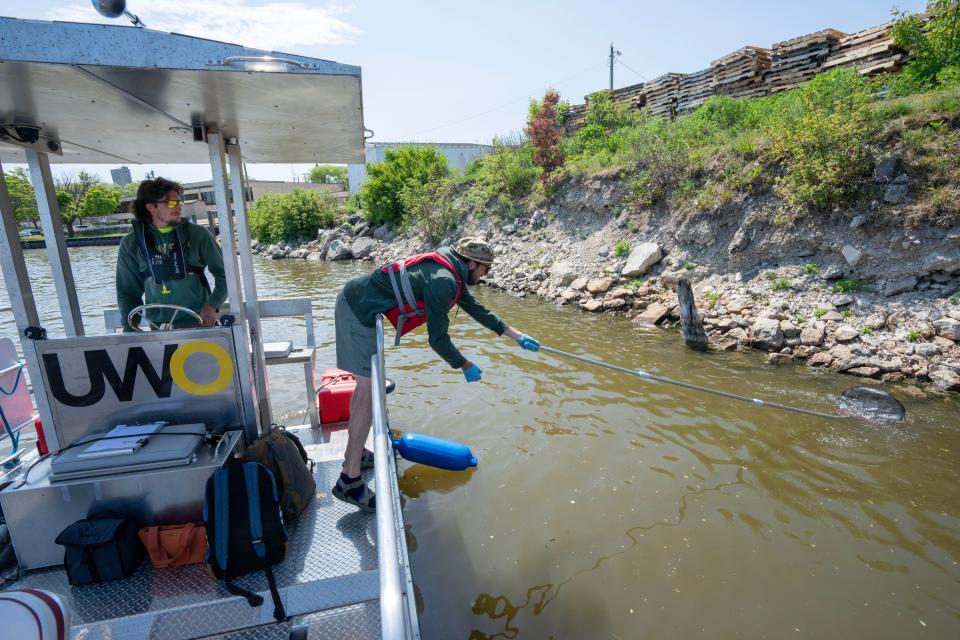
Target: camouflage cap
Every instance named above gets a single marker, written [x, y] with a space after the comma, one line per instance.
[474, 249]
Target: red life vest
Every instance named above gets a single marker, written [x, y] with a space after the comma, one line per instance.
[409, 312]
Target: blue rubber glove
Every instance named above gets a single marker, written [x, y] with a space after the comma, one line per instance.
[528, 343]
[472, 373]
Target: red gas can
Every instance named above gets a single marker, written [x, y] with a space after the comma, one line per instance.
[333, 398]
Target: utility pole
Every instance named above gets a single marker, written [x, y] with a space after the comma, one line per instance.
[612, 54]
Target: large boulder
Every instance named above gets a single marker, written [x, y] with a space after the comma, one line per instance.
[339, 250]
[851, 254]
[362, 247]
[641, 258]
[812, 334]
[563, 272]
[948, 328]
[902, 285]
[599, 285]
[654, 313]
[767, 334]
[944, 378]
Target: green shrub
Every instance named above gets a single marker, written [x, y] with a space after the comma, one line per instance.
[621, 249]
[913, 335]
[770, 275]
[713, 297]
[934, 45]
[811, 268]
[401, 168]
[636, 283]
[866, 330]
[820, 313]
[847, 313]
[689, 266]
[849, 285]
[825, 148]
[781, 284]
[295, 215]
[429, 208]
[508, 173]
[953, 300]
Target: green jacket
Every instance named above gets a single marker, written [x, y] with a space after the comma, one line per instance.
[189, 292]
[435, 285]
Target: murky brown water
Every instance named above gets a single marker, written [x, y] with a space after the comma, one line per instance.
[609, 507]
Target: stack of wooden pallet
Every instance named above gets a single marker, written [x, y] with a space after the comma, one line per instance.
[740, 74]
[870, 52]
[632, 96]
[662, 93]
[694, 90]
[797, 60]
[575, 118]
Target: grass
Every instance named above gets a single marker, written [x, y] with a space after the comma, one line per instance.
[849, 285]
[770, 275]
[811, 268]
[713, 297]
[913, 335]
[621, 249]
[636, 283]
[820, 313]
[781, 284]
[953, 300]
[847, 313]
[866, 330]
[689, 266]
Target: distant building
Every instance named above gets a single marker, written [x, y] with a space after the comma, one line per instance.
[121, 176]
[458, 155]
[199, 203]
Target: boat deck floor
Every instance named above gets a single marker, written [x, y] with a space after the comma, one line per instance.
[329, 581]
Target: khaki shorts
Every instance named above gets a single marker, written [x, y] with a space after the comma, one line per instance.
[356, 344]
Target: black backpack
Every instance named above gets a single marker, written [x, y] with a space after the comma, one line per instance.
[245, 531]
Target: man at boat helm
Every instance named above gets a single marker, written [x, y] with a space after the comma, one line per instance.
[422, 288]
[162, 260]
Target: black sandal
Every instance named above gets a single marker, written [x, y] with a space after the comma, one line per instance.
[355, 493]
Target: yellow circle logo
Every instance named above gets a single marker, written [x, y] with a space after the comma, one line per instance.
[178, 370]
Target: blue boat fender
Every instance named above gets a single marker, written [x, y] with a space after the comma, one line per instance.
[435, 452]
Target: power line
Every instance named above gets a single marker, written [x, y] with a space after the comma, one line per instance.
[642, 77]
[505, 104]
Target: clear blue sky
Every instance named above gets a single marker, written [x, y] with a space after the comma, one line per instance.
[451, 71]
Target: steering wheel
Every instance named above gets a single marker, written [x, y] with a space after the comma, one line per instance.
[166, 326]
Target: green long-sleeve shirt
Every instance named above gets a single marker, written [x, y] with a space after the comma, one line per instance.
[435, 285]
[133, 290]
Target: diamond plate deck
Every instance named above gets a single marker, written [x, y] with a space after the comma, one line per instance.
[331, 568]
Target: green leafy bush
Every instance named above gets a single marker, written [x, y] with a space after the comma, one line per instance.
[811, 268]
[914, 335]
[781, 284]
[820, 313]
[508, 173]
[295, 215]
[621, 249]
[429, 208]
[825, 148]
[934, 45]
[849, 285]
[401, 168]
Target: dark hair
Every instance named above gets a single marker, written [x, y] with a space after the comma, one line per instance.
[152, 191]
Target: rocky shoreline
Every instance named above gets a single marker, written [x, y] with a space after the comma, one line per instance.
[861, 294]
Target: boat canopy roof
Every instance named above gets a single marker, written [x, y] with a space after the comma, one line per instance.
[110, 94]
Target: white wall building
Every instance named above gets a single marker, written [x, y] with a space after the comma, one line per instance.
[458, 156]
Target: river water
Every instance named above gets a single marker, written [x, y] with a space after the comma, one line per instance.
[605, 506]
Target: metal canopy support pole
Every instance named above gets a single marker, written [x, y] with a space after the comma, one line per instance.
[52, 224]
[228, 246]
[14, 268]
[251, 301]
[22, 304]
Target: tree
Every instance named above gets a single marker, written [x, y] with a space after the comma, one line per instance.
[99, 200]
[402, 167]
[68, 209]
[545, 135]
[130, 189]
[291, 216]
[22, 196]
[328, 174]
[934, 44]
[77, 188]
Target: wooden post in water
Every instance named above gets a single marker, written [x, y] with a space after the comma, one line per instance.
[693, 331]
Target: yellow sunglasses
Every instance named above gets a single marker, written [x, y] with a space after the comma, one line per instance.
[173, 204]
